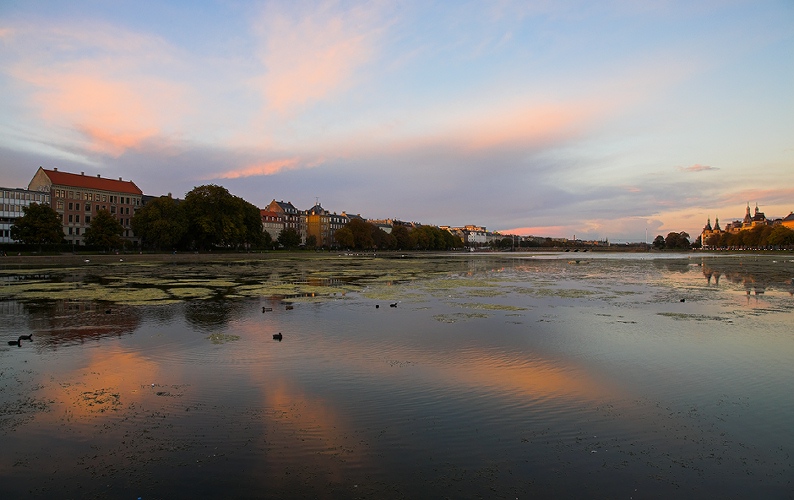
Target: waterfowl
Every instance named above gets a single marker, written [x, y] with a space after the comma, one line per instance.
[377, 306]
[278, 336]
[107, 311]
[267, 309]
[289, 308]
[683, 300]
[393, 305]
[14, 342]
[26, 337]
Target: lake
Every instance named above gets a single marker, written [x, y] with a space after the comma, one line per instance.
[402, 376]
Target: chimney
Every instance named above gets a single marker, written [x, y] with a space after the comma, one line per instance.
[97, 176]
[119, 178]
[54, 169]
[82, 173]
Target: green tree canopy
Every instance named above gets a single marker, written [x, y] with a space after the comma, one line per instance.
[216, 218]
[161, 223]
[289, 238]
[658, 242]
[105, 231]
[39, 225]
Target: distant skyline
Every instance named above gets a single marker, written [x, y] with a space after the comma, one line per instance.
[599, 119]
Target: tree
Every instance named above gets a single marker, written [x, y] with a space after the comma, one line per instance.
[161, 223]
[344, 236]
[781, 236]
[311, 241]
[39, 225]
[105, 231]
[218, 218]
[402, 239]
[289, 238]
[659, 242]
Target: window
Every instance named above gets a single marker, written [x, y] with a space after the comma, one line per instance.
[104, 197]
[70, 220]
[77, 230]
[87, 207]
[77, 206]
[70, 206]
[88, 219]
[77, 219]
[70, 230]
[112, 209]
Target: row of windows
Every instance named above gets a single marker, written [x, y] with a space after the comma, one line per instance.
[11, 208]
[78, 195]
[75, 219]
[20, 195]
[76, 207]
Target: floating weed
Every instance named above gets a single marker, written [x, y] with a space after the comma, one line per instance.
[695, 317]
[490, 307]
[222, 338]
[564, 293]
[191, 292]
[484, 293]
[455, 317]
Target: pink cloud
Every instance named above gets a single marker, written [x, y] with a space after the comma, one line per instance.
[258, 169]
[100, 82]
[312, 57]
[697, 168]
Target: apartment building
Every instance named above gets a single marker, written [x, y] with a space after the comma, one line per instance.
[78, 197]
[12, 204]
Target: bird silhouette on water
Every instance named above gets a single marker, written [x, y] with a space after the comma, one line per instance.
[278, 336]
[18, 342]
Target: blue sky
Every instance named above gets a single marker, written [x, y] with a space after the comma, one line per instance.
[594, 119]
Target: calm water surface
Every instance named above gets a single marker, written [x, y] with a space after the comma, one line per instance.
[494, 376]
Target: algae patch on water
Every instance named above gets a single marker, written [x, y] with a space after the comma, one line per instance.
[456, 317]
[694, 317]
[222, 338]
[488, 307]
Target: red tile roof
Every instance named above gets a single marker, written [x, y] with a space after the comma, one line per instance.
[92, 182]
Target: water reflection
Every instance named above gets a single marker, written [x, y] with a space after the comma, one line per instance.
[63, 322]
[551, 363]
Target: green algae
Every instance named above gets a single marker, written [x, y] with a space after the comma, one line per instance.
[222, 338]
[489, 307]
[456, 317]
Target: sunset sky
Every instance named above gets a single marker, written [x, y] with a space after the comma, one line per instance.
[551, 118]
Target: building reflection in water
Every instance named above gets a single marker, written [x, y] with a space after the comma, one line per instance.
[66, 322]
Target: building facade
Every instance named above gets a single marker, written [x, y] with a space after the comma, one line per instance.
[272, 223]
[291, 216]
[323, 225]
[78, 197]
[12, 205]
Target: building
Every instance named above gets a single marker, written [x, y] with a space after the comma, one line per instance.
[272, 223]
[78, 197]
[12, 204]
[323, 225]
[291, 216]
[788, 221]
[750, 221]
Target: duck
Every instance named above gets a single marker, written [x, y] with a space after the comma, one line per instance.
[394, 305]
[289, 308]
[278, 336]
[14, 342]
[266, 309]
[25, 337]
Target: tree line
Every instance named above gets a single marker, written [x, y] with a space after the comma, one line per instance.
[759, 237]
[212, 218]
